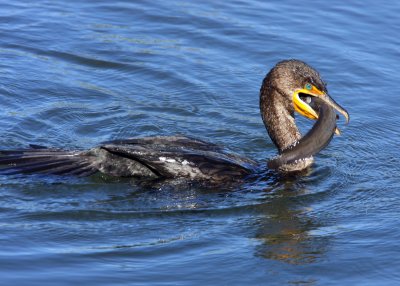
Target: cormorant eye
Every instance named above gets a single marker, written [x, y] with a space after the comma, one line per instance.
[308, 86]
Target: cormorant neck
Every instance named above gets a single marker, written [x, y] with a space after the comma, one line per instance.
[278, 116]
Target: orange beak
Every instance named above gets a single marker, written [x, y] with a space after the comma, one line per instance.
[306, 110]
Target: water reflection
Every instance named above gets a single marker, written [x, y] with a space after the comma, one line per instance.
[279, 213]
[284, 228]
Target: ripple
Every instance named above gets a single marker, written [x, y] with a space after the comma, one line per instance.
[73, 74]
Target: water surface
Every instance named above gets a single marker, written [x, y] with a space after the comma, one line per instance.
[73, 74]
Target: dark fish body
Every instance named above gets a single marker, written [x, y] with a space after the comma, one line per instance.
[314, 141]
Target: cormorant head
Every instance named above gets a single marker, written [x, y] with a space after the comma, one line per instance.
[297, 82]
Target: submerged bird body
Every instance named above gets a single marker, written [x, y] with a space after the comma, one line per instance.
[149, 157]
[282, 92]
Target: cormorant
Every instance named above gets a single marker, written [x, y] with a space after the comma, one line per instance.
[291, 85]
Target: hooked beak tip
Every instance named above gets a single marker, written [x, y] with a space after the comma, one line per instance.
[337, 107]
[346, 115]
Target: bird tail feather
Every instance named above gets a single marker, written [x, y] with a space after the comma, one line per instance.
[45, 161]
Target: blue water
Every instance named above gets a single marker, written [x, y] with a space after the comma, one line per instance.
[75, 73]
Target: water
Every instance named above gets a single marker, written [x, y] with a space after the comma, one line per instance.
[75, 73]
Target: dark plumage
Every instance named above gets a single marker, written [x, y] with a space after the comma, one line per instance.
[184, 157]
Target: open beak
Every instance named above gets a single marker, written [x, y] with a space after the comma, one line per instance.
[306, 110]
